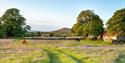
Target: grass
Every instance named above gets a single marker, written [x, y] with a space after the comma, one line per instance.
[121, 58]
[61, 51]
[95, 43]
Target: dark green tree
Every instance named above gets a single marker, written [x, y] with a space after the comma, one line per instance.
[51, 34]
[38, 33]
[14, 23]
[1, 28]
[88, 24]
[116, 24]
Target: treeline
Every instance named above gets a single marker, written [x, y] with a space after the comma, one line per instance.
[90, 24]
[46, 34]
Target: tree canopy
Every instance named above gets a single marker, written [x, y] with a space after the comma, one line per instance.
[88, 23]
[1, 28]
[13, 23]
[116, 24]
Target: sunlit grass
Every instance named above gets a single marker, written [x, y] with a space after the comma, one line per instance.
[95, 43]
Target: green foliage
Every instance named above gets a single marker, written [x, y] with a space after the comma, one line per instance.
[51, 34]
[1, 29]
[75, 27]
[38, 33]
[88, 23]
[79, 31]
[116, 24]
[14, 23]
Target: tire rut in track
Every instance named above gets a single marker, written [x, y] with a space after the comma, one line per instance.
[54, 57]
[72, 57]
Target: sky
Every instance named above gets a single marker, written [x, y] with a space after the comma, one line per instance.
[49, 15]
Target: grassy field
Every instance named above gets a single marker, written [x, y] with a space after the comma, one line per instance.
[61, 51]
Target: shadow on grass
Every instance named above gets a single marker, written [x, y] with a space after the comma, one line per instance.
[72, 57]
[53, 58]
[121, 58]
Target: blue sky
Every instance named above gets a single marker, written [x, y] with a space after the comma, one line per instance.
[48, 15]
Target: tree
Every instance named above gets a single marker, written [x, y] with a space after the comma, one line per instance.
[116, 24]
[88, 24]
[38, 33]
[75, 27]
[14, 23]
[51, 34]
[2, 31]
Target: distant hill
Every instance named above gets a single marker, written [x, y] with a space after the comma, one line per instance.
[62, 30]
[57, 33]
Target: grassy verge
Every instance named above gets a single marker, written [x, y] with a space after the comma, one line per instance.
[90, 43]
[95, 43]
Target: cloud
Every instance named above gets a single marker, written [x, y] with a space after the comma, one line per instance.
[43, 27]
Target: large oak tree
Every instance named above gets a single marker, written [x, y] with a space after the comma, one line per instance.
[88, 24]
[116, 24]
[14, 23]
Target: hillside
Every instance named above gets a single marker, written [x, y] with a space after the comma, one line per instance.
[62, 30]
